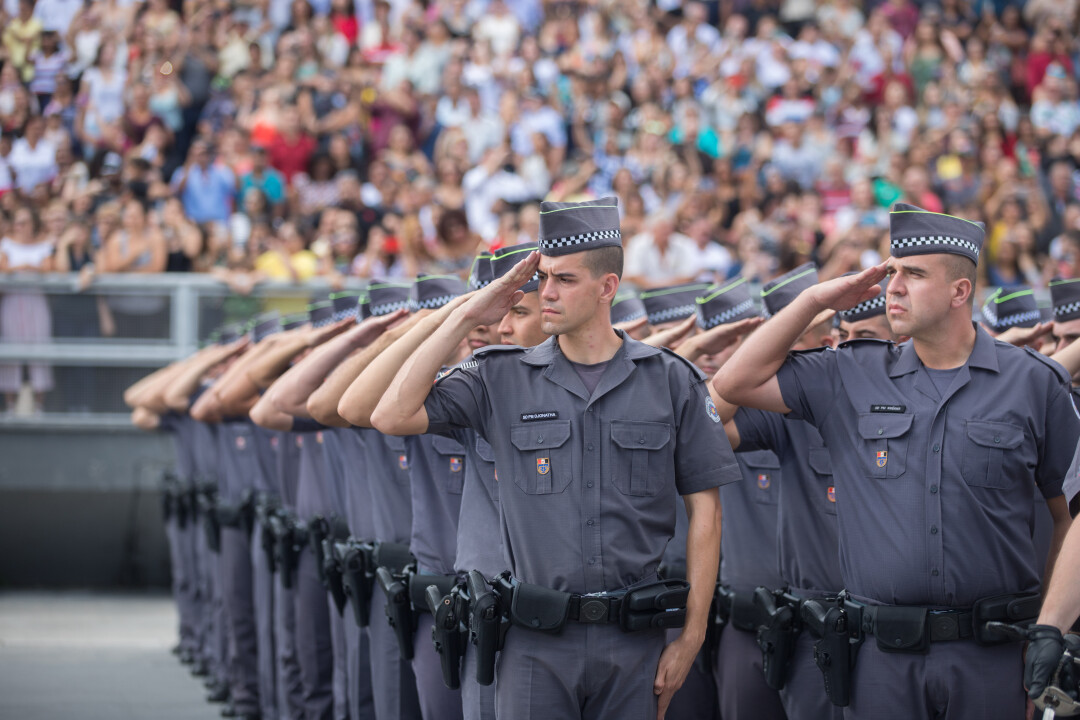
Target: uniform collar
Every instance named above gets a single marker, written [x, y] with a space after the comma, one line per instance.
[558, 369]
[983, 355]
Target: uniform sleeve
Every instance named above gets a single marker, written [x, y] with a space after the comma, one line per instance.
[1060, 434]
[809, 384]
[703, 456]
[458, 400]
[169, 422]
[760, 430]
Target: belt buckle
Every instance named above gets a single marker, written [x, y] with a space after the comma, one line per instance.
[593, 610]
[944, 626]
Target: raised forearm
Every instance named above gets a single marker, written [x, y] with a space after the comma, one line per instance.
[270, 366]
[291, 391]
[265, 415]
[362, 397]
[401, 408]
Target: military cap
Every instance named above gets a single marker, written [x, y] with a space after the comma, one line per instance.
[722, 304]
[385, 297]
[321, 314]
[346, 304]
[567, 228]
[779, 292]
[480, 274]
[914, 231]
[431, 292]
[229, 333]
[867, 309]
[1015, 307]
[675, 302]
[1065, 297]
[291, 322]
[505, 258]
[265, 325]
[626, 307]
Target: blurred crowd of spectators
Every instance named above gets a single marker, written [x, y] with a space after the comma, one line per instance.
[269, 139]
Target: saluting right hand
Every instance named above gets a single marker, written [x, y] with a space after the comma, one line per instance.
[845, 292]
[489, 305]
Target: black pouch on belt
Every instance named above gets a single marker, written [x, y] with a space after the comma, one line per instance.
[540, 608]
[1018, 608]
[392, 555]
[657, 605]
[901, 629]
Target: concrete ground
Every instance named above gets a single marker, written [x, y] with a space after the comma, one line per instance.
[92, 657]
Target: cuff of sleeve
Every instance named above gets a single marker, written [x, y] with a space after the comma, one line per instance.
[708, 479]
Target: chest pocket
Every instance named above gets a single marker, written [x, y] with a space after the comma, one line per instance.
[544, 456]
[642, 459]
[821, 464]
[764, 470]
[885, 440]
[990, 454]
[399, 458]
[484, 451]
[449, 467]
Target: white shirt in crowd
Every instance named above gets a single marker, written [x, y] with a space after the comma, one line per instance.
[644, 259]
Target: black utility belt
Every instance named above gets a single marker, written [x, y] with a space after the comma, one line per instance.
[419, 583]
[738, 609]
[906, 629]
[236, 516]
[654, 606]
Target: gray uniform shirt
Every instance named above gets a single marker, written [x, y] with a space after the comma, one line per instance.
[807, 544]
[311, 495]
[436, 478]
[479, 537]
[181, 427]
[748, 539]
[288, 467]
[239, 464]
[357, 497]
[935, 494]
[587, 484]
[388, 484]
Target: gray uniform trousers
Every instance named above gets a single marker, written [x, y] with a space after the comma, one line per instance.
[437, 702]
[803, 693]
[340, 678]
[592, 672]
[290, 690]
[956, 680]
[477, 701]
[236, 576]
[183, 583]
[392, 679]
[696, 699]
[358, 668]
[740, 679]
[313, 641]
[263, 598]
[212, 617]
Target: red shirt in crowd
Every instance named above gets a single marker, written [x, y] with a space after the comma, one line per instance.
[290, 156]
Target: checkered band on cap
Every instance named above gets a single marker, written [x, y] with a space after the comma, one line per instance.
[387, 297]
[1061, 311]
[676, 302]
[575, 227]
[592, 239]
[321, 314]
[745, 308]
[1012, 308]
[346, 305]
[627, 307]
[430, 292]
[504, 259]
[480, 274]
[265, 325]
[779, 292]
[914, 231]
[871, 308]
[1065, 297]
[678, 312]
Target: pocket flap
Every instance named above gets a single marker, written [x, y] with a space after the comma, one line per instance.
[395, 443]
[446, 446]
[994, 434]
[484, 450]
[820, 462]
[760, 459]
[883, 425]
[540, 608]
[539, 436]
[640, 435]
[901, 629]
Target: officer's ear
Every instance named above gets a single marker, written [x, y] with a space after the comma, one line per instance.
[609, 287]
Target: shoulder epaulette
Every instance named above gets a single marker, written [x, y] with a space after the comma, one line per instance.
[498, 348]
[864, 341]
[697, 373]
[1049, 362]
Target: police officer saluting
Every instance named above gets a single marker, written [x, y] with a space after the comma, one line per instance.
[936, 444]
[594, 434]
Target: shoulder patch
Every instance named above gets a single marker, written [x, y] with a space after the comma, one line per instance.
[1062, 373]
[694, 369]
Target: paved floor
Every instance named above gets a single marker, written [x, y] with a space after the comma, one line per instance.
[92, 657]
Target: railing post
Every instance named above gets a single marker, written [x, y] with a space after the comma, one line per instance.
[185, 319]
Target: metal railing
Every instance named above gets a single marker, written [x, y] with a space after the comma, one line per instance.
[86, 345]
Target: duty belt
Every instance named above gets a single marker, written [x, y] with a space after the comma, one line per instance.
[737, 608]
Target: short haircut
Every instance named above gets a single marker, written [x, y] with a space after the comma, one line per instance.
[604, 260]
[958, 267]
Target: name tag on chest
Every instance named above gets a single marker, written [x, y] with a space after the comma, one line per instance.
[888, 408]
[543, 415]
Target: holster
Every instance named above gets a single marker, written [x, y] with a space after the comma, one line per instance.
[240, 516]
[450, 631]
[211, 522]
[318, 531]
[488, 620]
[291, 535]
[420, 582]
[265, 509]
[332, 572]
[839, 634]
[399, 611]
[777, 636]
[358, 577]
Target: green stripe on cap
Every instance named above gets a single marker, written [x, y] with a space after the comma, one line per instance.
[1004, 298]
[320, 304]
[671, 291]
[793, 278]
[719, 292]
[927, 212]
[497, 256]
[577, 207]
